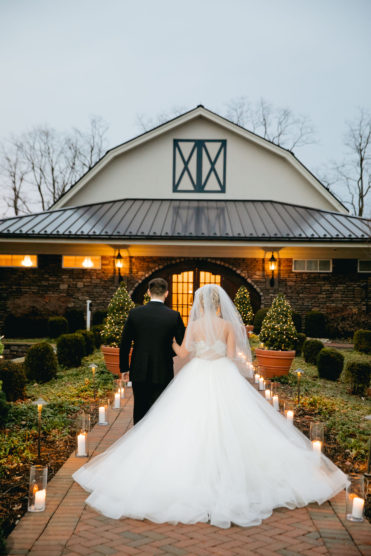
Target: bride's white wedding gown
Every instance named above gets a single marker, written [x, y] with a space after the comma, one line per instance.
[210, 449]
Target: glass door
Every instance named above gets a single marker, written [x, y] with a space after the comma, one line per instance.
[184, 285]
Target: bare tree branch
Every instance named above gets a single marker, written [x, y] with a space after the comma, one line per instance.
[13, 171]
[144, 123]
[278, 125]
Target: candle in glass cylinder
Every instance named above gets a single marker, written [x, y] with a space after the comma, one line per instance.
[257, 376]
[267, 394]
[102, 415]
[276, 403]
[261, 383]
[40, 496]
[290, 416]
[317, 446]
[116, 403]
[122, 392]
[357, 508]
[81, 444]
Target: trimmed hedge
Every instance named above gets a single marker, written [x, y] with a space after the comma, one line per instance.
[98, 317]
[362, 341]
[27, 326]
[315, 324]
[359, 373]
[70, 350]
[57, 326]
[311, 349]
[88, 336]
[298, 323]
[41, 363]
[299, 343]
[13, 379]
[97, 331]
[258, 319]
[330, 363]
[4, 409]
[76, 319]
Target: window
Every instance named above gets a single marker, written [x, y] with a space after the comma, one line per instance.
[23, 261]
[364, 265]
[312, 265]
[199, 165]
[86, 262]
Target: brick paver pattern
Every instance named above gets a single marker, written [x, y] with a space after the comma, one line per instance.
[70, 528]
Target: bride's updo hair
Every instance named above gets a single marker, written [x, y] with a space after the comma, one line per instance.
[210, 294]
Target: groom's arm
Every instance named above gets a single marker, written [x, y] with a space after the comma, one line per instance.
[125, 345]
[179, 330]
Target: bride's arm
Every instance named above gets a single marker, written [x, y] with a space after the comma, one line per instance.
[181, 351]
[231, 342]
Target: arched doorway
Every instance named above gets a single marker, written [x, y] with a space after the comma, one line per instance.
[185, 277]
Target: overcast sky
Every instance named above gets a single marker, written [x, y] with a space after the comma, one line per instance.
[65, 60]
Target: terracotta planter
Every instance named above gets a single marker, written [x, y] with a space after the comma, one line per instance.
[112, 358]
[274, 363]
[249, 328]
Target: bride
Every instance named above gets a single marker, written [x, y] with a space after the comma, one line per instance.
[210, 448]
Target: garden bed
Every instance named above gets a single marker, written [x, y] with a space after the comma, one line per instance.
[69, 393]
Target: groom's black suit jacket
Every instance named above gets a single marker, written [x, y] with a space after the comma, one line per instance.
[152, 327]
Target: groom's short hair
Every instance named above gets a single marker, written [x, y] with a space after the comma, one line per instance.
[158, 286]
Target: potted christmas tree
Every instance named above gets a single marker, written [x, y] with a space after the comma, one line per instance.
[278, 334]
[243, 306]
[117, 314]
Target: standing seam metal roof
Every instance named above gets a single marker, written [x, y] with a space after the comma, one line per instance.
[197, 219]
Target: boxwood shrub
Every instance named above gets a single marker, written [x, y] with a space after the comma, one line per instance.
[299, 343]
[98, 317]
[258, 319]
[28, 326]
[311, 349]
[359, 374]
[296, 317]
[76, 319]
[57, 326]
[41, 363]
[362, 341]
[70, 349]
[315, 324]
[4, 408]
[88, 336]
[13, 380]
[330, 363]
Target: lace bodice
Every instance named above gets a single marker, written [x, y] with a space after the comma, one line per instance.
[204, 351]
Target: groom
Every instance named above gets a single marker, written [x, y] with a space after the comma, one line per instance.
[152, 328]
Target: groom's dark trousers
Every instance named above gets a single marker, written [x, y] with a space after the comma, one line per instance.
[151, 328]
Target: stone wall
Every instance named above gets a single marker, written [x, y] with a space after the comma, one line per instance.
[50, 289]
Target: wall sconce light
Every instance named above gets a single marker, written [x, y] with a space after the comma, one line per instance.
[272, 268]
[27, 261]
[119, 263]
[87, 263]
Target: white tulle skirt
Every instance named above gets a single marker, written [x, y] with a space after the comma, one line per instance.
[210, 449]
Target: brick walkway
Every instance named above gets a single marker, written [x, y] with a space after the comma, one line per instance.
[68, 528]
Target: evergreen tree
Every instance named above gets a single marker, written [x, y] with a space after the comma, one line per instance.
[278, 331]
[243, 305]
[117, 314]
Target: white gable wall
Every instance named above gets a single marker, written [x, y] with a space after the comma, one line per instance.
[252, 172]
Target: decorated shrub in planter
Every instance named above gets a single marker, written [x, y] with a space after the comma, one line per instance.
[70, 350]
[41, 363]
[13, 380]
[258, 319]
[311, 349]
[279, 337]
[362, 341]
[146, 298]
[315, 324]
[88, 336]
[243, 305]
[330, 363]
[57, 326]
[117, 314]
[359, 374]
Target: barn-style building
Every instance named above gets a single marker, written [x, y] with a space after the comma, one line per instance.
[195, 200]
